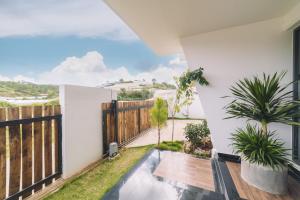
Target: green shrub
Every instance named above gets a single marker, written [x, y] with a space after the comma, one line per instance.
[256, 147]
[52, 102]
[128, 95]
[195, 133]
[26, 89]
[163, 86]
[4, 104]
[171, 146]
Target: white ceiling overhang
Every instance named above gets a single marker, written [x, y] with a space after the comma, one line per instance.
[161, 23]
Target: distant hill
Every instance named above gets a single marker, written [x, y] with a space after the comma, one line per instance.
[138, 85]
[25, 89]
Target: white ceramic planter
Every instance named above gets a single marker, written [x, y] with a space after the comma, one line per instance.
[265, 178]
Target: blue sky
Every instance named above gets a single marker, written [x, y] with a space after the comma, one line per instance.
[36, 54]
[77, 42]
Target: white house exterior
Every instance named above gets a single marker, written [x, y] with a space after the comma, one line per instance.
[230, 39]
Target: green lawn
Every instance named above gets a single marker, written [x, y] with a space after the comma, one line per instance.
[95, 183]
[171, 146]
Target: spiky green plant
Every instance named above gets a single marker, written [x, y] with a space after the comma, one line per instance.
[263, 100]
[260, 148]
[159, 115]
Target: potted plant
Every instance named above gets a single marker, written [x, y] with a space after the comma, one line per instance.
[263, 156]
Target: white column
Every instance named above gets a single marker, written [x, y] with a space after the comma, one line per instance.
[81, 126]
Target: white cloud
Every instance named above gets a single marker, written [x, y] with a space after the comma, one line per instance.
[178, 60]
[91, 70]
[91, 62]
[4, 78]
[85, 18]
[20, 78]
[17, 78]
[162, 73]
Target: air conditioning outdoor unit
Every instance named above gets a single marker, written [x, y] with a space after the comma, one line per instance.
[113, 149]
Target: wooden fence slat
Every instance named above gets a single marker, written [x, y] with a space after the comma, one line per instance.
[38, 147]
[119, 125]
[2, 156]
[56, 111]
[22, 143]
[48, 144]
[122, 124]
[130, 123]
[26, 112]
[15, 152]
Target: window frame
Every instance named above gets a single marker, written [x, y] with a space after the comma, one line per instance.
[296, 93]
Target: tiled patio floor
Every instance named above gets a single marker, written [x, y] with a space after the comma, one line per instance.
[142, 183]
[150, 137]
[186, 169]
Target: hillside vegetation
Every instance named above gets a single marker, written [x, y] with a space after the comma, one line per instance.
[130, 95]
[24, 89]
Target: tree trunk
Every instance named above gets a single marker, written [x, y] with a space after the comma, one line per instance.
[188, 111]
[173, 125]
[158, 142]
[264, 127]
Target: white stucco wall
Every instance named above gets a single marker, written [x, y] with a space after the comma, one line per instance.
[194, 110]
[231, 54]
[81, 126]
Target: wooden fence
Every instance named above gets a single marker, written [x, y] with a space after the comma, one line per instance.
[124, 120]
[30, 149]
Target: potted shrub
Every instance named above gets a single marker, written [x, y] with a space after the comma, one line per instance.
[263, 156]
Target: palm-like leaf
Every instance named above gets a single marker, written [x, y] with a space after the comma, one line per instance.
[263, 100]
[259, 148]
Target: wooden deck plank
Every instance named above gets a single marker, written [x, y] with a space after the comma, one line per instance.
[249, 192]
[186, 169]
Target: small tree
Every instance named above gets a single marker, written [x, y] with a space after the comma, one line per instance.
[153, 81]
[184, 92]
[177, 103]
[159, 115]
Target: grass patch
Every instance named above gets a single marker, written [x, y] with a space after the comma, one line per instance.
[186, 118]
[171, 146]
[203, 155]
[95, 183]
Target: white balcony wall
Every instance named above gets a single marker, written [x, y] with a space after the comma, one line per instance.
[81, 126]
[230, 54]
[194, 110]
